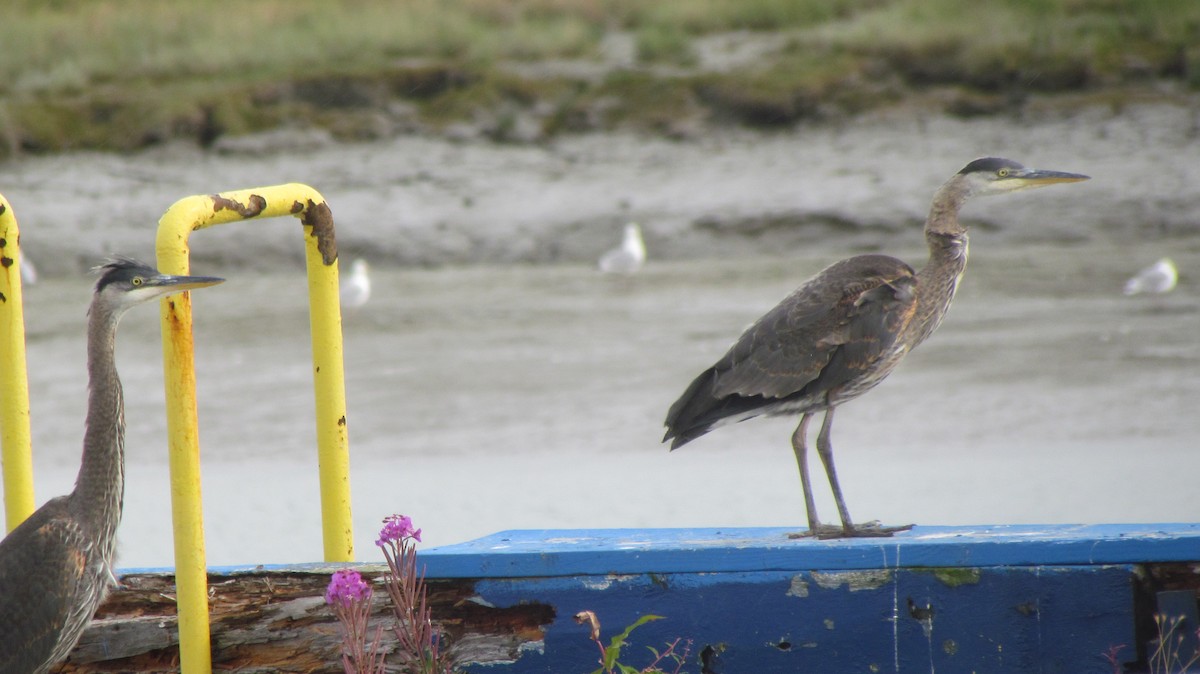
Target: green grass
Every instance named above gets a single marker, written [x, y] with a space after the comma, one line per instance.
[120, 74]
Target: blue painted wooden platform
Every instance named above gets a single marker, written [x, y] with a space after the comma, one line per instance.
[953, 599]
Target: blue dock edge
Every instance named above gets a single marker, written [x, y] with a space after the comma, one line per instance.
[993, 598]
[953, 599]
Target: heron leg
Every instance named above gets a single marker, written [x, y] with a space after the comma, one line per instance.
[871, 529]
[800, 447]
[825, 450]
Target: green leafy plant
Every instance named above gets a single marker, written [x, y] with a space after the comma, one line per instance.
[610, 655]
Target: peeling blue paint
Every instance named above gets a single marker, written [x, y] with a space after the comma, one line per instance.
[600, 551]
[1080, 611]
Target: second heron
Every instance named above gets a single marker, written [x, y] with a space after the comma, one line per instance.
[842, 332]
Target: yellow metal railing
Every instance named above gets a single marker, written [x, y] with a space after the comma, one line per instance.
[184, 217]
[15, 453]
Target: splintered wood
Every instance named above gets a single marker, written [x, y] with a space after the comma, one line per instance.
[277, 621]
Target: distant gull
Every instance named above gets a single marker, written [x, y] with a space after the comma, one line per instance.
[629, 257]
[29, 275]
[356, 288]
[1159, 277]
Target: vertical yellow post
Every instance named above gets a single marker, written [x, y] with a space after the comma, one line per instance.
[174, 228]
[183, 447]
[329, 384]
[15, 452]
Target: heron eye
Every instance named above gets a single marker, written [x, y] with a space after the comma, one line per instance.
[1003, 173]
[137, 281]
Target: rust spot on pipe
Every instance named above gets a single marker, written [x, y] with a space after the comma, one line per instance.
[256, 205]
[320, 218]
[3, 209]
[342, 420]
[3, 298]
[3, 242]
[6, 262]
[297, 207]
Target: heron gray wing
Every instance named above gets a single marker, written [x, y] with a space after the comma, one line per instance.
[873, 345]
[840, 308]
[41, 565]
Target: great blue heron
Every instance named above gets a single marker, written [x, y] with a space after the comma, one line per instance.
[629, 258]
[56, 566]
[842, 332]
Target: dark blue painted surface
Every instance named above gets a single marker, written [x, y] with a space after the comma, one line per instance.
[1042, 619]
[953, 599]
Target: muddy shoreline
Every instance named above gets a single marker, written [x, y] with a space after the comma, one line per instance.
[415, 201]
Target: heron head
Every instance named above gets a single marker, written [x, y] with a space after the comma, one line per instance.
[995, 175]
[128, 282]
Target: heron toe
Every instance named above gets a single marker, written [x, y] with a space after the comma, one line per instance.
[872, 529]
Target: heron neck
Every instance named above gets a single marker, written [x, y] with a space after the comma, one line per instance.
[948, 248]
[100, 487]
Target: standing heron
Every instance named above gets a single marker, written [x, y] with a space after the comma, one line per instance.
[56, 566]
[841, 332]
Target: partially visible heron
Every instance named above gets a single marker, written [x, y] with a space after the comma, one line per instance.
[1158, 278]
[842, 332]
[355, 289]
[630, 257]
[56, 566]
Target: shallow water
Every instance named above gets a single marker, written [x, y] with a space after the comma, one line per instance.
[491, 397]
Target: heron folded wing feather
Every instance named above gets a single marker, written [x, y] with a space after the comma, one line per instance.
[788, 349]
[870, 352]
[39, 573]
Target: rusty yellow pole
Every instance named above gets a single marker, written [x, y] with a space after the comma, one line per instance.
[15, 454]
[329, 387]
[175, 226]
[183, 449]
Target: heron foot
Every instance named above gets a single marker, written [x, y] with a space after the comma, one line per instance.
[872, 529]
[819, 531]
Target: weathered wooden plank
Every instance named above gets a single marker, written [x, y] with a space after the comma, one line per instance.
[277, 621]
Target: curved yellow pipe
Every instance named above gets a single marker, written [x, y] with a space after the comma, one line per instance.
[175, 226]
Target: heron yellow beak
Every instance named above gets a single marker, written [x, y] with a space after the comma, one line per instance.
[1037, 178]
[169, 283]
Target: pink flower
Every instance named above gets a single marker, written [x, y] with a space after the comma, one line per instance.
[346, 587]
[396, 529]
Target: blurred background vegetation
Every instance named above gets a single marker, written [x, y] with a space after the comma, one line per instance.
[124, 74]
